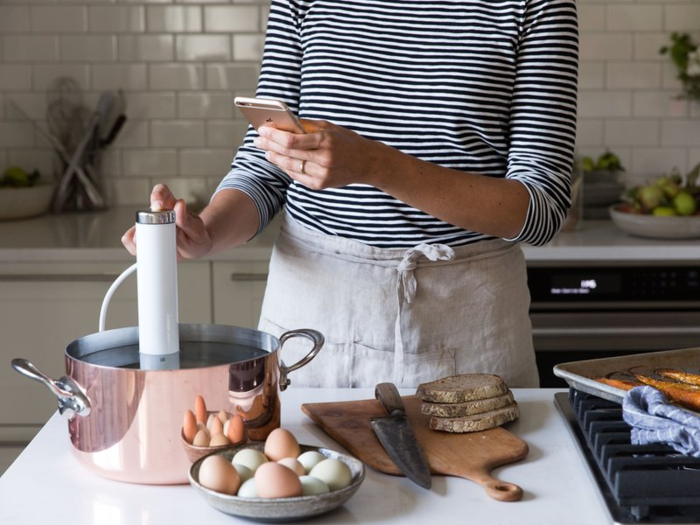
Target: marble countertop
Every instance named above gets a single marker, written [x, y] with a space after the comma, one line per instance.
[47, 483]
[96, 237]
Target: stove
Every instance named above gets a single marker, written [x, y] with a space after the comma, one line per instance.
[641, 484]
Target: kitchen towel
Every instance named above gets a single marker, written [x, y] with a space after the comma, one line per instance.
[655, 420]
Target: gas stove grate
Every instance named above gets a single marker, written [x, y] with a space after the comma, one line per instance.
[640, 483]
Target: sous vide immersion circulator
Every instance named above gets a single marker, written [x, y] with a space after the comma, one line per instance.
[156, 260]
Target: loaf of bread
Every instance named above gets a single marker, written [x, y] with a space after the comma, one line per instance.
[462, 388]
[468, 408]
[476, 422]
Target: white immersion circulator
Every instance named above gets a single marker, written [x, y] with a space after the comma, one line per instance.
[156, 261]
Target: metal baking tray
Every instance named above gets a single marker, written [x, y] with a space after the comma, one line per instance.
[580, 374]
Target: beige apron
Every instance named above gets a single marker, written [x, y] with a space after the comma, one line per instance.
[405, 316]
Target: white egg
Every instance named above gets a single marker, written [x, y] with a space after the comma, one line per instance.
[244, 472]
[310, 459]
[334, 472]
[247, 489]
[311, 486]
[249, 457]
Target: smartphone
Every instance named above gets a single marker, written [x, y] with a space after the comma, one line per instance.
[268, 112]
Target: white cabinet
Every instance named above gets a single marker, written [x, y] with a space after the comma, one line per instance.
[238, 289]
[43, 307]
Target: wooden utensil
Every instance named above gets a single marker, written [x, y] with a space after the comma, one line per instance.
[470, 456]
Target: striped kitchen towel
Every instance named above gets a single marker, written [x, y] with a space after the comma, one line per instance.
[655, 420]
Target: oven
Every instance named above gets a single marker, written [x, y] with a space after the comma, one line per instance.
[590, 310]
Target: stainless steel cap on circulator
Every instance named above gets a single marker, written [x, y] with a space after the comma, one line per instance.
[155, 217]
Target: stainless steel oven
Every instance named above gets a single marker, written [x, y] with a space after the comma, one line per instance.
[603, 309]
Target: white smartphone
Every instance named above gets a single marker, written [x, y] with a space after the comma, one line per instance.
[268, 112]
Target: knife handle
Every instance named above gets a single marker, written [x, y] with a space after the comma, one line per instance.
[389, 397]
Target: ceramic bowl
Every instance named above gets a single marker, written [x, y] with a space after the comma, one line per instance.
[675, 227]
[280, 509]
[22, 203]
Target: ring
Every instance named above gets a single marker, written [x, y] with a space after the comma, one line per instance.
[301, 167]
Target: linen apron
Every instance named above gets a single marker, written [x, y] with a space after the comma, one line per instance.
[404, 316]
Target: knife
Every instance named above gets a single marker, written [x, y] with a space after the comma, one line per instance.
[397, 438]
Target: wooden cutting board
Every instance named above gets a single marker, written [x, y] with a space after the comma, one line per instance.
[470, 456]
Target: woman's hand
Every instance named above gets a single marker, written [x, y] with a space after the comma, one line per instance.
[193, 239]
[327, 156]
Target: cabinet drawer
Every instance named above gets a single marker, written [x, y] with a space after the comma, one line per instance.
[44, 307]
[238, 290]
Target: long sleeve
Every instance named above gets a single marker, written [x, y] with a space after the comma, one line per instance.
[543, 115]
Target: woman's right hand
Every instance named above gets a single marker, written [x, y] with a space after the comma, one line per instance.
[193, 239]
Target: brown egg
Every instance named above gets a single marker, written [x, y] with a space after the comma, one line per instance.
[201, 439]
[202, 426]
[200, 410]
[189, 426]
[293, 464]
[273, 480]
[218, 474]
[281, 443]
[216, 427]
[218, 440]
[237, 432]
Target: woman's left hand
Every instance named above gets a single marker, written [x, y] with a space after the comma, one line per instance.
[327, 156]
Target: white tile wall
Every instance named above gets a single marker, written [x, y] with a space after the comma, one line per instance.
[180, 62]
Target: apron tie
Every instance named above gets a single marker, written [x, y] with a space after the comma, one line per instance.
[407, 281]
[434, 252]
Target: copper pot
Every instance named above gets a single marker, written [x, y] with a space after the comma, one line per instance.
[124, 422]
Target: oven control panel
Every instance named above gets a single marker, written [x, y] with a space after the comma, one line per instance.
[615, 284]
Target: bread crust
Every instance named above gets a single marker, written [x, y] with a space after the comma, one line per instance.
[477, 422]
[468, 408]
[462, 388]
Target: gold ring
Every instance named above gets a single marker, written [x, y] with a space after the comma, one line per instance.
[301, 167]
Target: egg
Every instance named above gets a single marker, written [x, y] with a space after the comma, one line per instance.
[217, 473]
[201, 439]
[250, 458]
[200, 410]
[310, 459]
[273, 480]
[218, 440]
[247, 489]
[292, 463]
[311, 486]
[217, 427]
[222, 416]
[189, 426]
[244, 472]
[334, 472]
[237, 431]
[281, 443]
[210, 420]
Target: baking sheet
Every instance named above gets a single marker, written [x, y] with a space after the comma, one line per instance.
[580, 374]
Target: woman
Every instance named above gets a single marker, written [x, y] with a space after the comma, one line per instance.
[439, 136]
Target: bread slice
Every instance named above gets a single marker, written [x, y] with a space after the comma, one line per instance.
[476, 422]
[461, 388]
[468, 408]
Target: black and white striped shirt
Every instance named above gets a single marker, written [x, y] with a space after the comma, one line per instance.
[481, 86]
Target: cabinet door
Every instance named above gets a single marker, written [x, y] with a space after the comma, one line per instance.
[238, 290]
[43, 307]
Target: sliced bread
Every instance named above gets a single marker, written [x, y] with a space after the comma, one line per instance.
[476, 422]
[468, 408]
[461, 388]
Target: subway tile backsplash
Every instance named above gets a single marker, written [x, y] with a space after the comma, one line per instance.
[181, 62]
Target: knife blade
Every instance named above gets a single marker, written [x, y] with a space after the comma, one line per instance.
[397, 438]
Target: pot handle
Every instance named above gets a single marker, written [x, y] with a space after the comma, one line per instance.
[315, 337]
[72, 400]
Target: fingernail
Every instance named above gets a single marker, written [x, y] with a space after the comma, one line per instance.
[262, 131]
[268, 156]
[156, 205]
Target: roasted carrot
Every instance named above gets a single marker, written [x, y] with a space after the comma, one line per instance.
[682, 394]
[677, 375]
[619, 383]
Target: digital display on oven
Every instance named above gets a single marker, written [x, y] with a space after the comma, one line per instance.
[591, 284]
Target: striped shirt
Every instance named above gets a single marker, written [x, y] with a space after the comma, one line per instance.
[481, 86]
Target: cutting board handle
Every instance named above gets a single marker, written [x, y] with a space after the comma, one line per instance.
[501, 490]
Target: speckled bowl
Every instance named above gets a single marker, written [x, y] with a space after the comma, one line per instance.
[280, 509]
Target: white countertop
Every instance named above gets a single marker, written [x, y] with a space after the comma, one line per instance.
[96, 237]
[47, 484]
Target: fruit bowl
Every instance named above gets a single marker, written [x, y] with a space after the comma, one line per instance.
[21, 203]
[654, 227]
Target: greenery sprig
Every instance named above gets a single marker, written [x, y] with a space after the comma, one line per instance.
[686, 56]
